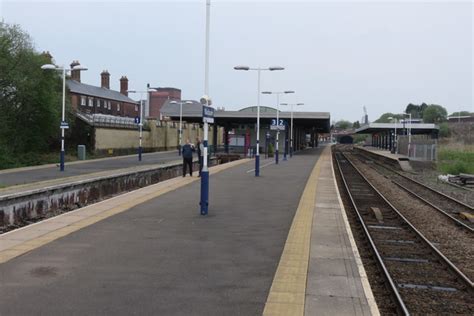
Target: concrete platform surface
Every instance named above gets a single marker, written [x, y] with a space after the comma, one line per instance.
[28, 175]
[153, 254]
[279, 244]
[336, 282]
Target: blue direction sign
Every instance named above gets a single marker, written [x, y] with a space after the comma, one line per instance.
[207, 114]
[280, 126]
[137, 119]
[64, 125]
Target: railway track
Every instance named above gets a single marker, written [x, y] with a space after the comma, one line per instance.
[421, 279]
[456, 210]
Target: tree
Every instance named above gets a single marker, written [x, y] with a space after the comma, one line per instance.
[29, 96]
[444, 130]
[385, 118]
[343, 124]
[356, 124]
[461, 113]
[434, 114]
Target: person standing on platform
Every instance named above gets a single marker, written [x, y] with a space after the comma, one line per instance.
[187, 153]
[200, 152]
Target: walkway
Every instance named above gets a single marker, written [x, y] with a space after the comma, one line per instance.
[150, 252]
[28, 175]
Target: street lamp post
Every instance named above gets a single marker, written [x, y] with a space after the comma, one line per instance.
[204, 200]
[278, 119]
[291, 130]
[63, 125]
[258, 69]
[140, 124]
[180, 122]
[395, 138]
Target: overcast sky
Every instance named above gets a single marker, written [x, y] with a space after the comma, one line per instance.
[339, 56]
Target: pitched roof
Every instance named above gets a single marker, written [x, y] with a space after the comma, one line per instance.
[99, 92]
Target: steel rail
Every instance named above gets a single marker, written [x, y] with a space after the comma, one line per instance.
[422, 184]
[453, 267]
[457, 221]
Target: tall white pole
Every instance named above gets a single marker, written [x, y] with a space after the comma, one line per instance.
[180, 126]
[291, 133]
[396, 137]
[206, 75]
[204, 202]
[63, 119]
[140, 127]
[409, 137]
[257, 151]
[278, 131]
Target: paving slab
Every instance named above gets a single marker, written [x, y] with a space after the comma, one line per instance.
[161, 257]
[336, 282]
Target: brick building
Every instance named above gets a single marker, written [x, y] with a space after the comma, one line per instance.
[91, 99]
[158, 98]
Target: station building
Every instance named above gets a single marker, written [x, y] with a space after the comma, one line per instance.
[239, 127]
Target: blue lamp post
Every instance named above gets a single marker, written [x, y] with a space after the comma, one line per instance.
[64, 124]
[258, 69]
[140, 124]
[180, 122]
[291, 129]
[277, 119]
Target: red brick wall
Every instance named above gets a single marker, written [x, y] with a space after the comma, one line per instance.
[159, 97]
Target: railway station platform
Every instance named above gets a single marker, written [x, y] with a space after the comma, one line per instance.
[29, 175]
[278, 244]
[401, 161]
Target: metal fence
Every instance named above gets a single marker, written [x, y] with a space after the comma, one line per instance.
[421, 148]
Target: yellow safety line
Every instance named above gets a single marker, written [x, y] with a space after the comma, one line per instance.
[288, 290]
[20, 249]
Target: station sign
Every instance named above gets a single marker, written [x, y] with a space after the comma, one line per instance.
[280, 126]
[207, 114]
[64, 125]
[137, 119]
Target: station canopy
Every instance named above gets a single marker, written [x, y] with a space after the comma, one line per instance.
[193, 113]
[416, 128]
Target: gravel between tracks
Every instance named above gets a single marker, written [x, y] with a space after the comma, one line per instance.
[453, 242]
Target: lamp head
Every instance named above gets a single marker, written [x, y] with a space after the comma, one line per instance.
[289, 91]
[242, 68]
[48, 66]
[299, 103]
[266, 92]
[206, 100]
[131, 91]
[79, 67]
[273, 68]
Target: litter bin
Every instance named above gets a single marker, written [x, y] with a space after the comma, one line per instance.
[81, 152]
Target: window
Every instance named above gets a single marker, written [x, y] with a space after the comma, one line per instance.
[91, 102]
[98, 103]
[83, 101]
[110, 105]
[118, 107]
[136, 108]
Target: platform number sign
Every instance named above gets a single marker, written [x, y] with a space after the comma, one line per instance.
[280, 126]
[207, 114]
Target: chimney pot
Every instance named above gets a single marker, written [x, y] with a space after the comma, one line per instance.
[75, 74]
[124, 85]
[105, 79]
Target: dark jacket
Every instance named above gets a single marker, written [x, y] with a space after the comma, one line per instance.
[187, 151]
[198, 149]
